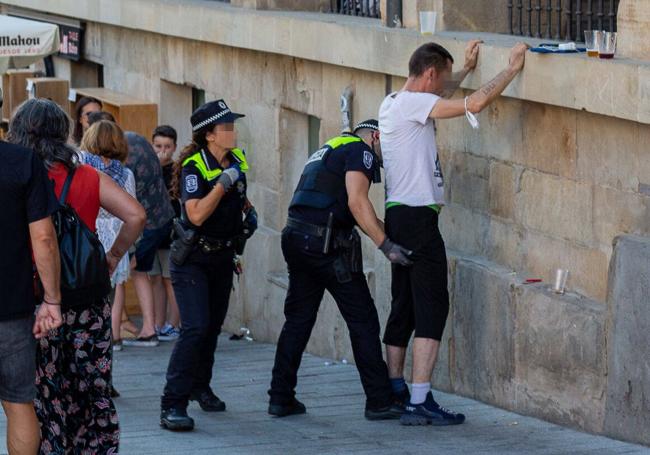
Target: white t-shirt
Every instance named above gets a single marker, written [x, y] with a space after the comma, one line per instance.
[408, 144]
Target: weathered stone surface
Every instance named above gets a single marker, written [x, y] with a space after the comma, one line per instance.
[504, 244]
[555, 206]
[628, 351]
[502, 187]
[549, 143]
[467, 181]
[617, 212]
[543, 255]
[615, 160]
[633, 20]
[483, 359]
[560, 357]
[463, 229]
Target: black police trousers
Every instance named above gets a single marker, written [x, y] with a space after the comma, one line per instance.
[310, 274]
[202, 290]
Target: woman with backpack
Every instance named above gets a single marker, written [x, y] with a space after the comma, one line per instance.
[73, 402]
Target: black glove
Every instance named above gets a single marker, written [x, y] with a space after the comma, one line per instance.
[395, 253]
[250, 222]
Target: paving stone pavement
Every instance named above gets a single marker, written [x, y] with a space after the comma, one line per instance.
[334, 423]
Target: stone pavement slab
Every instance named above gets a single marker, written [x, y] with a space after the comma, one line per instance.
[334, 423]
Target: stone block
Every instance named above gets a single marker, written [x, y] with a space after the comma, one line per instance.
[633, 19]
[549, 139]
[504, 244]
[628, 350]
[615, 160]
[607, 89]
[500, 136]
[483, 329]
[617, 212]
[464, 230]
[467, 181]
[560, 357]
[543, 255]
[555, 206]
[502, 188]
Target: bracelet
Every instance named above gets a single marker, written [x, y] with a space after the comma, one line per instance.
[51, 303]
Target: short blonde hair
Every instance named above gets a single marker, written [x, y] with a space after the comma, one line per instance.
[105, 139]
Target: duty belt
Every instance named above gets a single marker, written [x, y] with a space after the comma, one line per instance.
[211, 245]
[306, 228]
[338, 236]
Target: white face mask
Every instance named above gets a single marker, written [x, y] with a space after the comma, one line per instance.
[471, 118]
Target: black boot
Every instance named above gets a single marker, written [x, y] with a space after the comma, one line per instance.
[390, 412]
[208, 401]
[291, 408]
[176, 420]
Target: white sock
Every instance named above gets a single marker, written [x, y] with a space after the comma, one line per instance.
[419, 392]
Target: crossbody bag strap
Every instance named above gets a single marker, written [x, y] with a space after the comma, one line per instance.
[66, 186]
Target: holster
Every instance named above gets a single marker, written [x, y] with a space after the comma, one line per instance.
[350, 259]
[184, 243]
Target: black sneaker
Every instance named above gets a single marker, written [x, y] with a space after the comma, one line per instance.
[430, 413]
[176, 420]
[402, 399]
[208, 401]
[390, 412]
[283, 410]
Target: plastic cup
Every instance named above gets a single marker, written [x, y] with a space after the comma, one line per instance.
[428, 22]
[592, 42]
[607, 46]
[561, 276]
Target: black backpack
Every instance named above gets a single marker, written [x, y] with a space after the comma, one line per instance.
[84, 270]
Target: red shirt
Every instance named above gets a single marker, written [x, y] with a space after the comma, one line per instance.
[84, 191]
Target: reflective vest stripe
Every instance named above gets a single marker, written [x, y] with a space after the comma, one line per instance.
[209, 174]
[342, 140]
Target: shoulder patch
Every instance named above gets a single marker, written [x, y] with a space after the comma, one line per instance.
[191, 183]
[368, 159]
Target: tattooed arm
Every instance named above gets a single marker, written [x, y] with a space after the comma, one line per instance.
[482, 98]
[471, 59]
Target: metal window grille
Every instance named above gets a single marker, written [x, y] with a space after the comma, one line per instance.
[363, 8]
[561, 19]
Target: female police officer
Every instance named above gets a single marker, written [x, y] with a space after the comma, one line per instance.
[210, 179]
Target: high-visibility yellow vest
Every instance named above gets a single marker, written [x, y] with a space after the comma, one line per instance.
[211, 174]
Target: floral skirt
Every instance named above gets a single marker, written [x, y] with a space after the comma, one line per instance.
[73, 404]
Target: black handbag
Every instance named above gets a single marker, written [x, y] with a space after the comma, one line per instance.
[84, 270]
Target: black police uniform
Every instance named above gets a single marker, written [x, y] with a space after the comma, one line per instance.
[316, 265]
[203, 282]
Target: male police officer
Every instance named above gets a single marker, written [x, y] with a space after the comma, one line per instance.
[323, 251]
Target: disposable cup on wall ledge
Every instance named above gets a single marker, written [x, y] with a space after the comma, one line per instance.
[561, 276]
[428, 22]
[592, 42]
[607, 46]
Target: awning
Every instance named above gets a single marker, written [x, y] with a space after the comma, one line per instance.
[23, 42]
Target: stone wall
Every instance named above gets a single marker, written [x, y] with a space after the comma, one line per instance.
[543, 184]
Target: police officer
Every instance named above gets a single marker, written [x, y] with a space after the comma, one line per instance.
[323, 252]
[216, 217]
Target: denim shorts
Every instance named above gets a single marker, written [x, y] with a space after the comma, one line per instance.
[147, 248]
[17, 360]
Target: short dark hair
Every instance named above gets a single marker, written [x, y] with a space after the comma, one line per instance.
[428, 55]
[165, 131]
[95, 117]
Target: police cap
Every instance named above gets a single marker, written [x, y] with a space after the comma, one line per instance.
[369, 124]
[213, 113]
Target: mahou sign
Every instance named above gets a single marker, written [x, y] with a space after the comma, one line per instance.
[25, 38]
